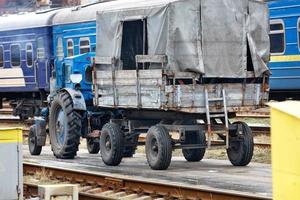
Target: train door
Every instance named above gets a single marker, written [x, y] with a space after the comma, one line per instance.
[41, 64]
[59, 62]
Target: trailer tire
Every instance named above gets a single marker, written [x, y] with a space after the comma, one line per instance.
[240, 151]
[130, 146]
[111, 144]
[93, 145]
[158, 148]
[34, 148]
[194, 137]
[64, 127]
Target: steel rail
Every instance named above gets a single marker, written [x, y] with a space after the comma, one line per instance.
[253, 114]
[141, 187]
[259, 129]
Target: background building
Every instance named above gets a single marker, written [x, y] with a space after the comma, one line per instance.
[15, 6]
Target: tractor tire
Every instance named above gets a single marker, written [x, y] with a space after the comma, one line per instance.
[64, 127]
[241, 145]
[34, 148]
[158, 148]
[111, 144]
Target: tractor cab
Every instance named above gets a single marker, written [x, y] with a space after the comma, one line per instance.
[76, 73]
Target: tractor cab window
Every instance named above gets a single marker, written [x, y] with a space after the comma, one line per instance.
[15, 57]
[277, 37]
[84, 45]
[70, 46]
[59, 49]
[29, 57]
[1, 56]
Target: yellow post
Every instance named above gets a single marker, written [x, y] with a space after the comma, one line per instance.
[11, 168]
[285, 137]
[11, 135]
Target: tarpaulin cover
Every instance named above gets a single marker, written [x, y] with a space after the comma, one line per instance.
[208, 37]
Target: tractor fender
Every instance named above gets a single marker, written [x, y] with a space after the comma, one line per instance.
[77, 98]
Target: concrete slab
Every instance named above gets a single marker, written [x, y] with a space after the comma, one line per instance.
[219, 174]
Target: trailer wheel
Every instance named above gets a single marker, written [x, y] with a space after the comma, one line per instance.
[93, 145]
[158, 148]
[34, 148]
[111, 144]
[194, 137]
[64, 127]
[241, 145]
[130, 146]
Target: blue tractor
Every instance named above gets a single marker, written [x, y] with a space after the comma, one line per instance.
[71, 114]
[69, 100]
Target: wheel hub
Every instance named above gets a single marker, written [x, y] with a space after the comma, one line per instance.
[154, 147]
[107, 143]
[32, 140]
[60, 127]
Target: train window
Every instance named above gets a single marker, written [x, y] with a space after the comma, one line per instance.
[40, 48]
[29, 56]
[15, 55]
[84, 45]
[277, 37]
[59, 49]
[70, 46]
[1, 56]
[88, 74]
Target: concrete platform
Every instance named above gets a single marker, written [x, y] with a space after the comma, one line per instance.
[254, 179]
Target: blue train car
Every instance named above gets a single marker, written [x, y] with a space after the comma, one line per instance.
[25, 60]
[285, 47]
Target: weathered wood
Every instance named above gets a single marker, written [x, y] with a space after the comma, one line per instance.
[151, 59]
[155, 95]
[105, 60]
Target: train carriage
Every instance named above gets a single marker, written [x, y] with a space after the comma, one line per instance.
[25, 60]
[285, 48]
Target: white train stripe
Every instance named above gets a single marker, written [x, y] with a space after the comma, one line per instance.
[12, 77]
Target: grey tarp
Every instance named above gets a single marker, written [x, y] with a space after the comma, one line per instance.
[208, 37]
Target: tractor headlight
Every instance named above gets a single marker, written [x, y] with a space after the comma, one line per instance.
[76, 78]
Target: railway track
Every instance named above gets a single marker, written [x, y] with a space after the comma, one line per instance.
[253, 114]
[95, 186]
[256, 129]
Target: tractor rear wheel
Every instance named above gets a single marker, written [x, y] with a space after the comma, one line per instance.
[64, 127]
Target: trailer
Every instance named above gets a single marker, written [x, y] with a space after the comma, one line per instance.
[177, 70]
